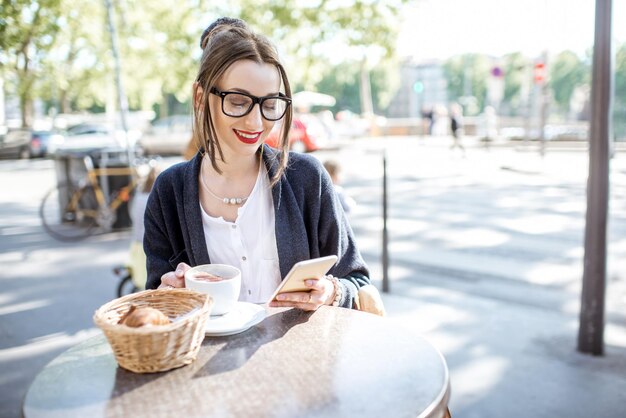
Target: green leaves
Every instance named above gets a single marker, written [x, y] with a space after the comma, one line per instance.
[567, 72]
[59, 50]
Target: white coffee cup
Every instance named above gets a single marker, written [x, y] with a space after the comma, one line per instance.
[225, 292]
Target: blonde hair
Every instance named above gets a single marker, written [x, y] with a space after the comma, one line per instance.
[224, 44]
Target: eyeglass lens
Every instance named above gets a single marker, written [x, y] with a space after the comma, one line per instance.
[272, 108]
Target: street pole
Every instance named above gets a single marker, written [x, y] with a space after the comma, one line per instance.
[544, 97]
[591, 329]
[121, 96]
[385, 236]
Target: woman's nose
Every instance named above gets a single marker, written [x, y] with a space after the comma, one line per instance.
[254, 119]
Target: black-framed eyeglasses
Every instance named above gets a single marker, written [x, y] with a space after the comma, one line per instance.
[236, 104]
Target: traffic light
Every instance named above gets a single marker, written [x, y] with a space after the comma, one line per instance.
[539, 72]
[418, 87]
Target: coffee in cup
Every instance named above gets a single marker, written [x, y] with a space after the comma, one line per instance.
[221, 281]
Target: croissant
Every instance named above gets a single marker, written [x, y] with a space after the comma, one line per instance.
[138, 317]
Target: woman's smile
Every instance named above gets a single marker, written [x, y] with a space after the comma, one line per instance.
[247, 137]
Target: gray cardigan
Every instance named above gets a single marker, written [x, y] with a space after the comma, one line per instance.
[309, 222]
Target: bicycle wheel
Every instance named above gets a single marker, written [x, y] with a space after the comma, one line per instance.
[126, 287]
[69, 214]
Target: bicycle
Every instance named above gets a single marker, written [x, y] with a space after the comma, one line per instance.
[74, 211]
[125, 276]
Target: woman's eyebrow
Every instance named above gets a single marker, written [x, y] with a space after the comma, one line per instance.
[272, 94]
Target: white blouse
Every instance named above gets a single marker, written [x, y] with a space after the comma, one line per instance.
[249, 243]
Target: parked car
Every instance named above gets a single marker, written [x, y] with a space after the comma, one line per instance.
[25, 143]
[167, 136]
[304, 136]
[351, 125]
[14, 143]
[42, 141]
[88, 136]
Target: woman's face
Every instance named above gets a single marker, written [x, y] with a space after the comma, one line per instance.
[244, 135]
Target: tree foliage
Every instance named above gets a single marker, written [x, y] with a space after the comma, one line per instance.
[342, 82]
[516, 75]
[566, 73]
[313, 33]
[68, 51]
[620, 92]
[467, 77]
[27, 32]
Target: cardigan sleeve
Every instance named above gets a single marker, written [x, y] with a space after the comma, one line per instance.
[336, 237]
[162, 255]
[155, 242]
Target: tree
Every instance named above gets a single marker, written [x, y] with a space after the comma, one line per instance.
[516, 75]
[567, 72]
[318, 32]
[27, 31]
[68, 59]
[158, 44]
[76, 73]
[467, 76]
[619, 110]
[342, 82]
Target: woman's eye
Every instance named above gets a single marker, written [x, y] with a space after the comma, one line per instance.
[269, 104]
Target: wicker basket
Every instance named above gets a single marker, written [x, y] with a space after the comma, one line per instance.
[156, 348]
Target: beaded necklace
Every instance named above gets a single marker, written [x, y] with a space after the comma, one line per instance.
[226, 200]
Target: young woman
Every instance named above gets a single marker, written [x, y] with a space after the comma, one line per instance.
[240, 202]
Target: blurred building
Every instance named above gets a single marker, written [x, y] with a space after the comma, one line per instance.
[422, 86]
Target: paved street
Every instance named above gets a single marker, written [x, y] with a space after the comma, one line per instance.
[485, 260]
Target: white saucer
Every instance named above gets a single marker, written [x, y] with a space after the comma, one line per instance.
[243, 316]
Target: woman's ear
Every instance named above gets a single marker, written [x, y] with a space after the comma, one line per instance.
[198, 92]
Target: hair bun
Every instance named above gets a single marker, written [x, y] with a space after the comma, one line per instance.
[222, 21]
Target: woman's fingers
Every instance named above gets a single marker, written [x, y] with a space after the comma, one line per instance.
[322, 291]
[295, 297]
[175, 278]
[298, 305]
[307, 301]
[170, 279]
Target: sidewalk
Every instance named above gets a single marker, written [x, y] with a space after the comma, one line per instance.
[513, 360]
[486, 262]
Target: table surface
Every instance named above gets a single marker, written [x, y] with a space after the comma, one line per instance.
[330, 363]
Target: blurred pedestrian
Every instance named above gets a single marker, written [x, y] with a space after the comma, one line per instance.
[456, 127]
[334, 169]
[428, 119]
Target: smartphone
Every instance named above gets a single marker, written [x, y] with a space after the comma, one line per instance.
[315, 268]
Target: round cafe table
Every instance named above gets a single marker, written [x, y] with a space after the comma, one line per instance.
[330, 363]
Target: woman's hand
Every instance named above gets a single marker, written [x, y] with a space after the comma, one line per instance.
[322, 293]
[174, 278]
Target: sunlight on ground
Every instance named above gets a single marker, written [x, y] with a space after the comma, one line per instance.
[46, 343]
[510, 202]
[490, 369]
[21, 307]
[615, 335]
[537, 224]
[404, 226]
[553, 274]
[404, 247]
[12, 257]
[465, 238]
